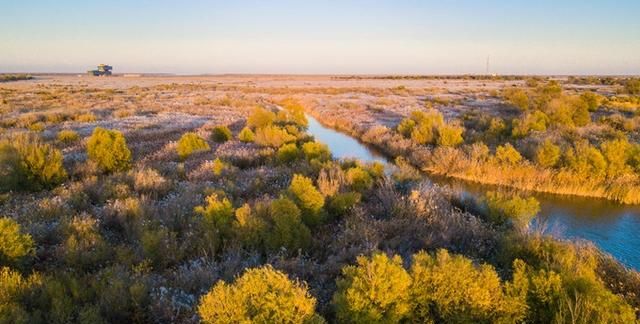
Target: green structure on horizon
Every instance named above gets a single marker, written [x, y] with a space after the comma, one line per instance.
[102, 70]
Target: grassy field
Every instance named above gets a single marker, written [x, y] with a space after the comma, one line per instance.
[187, 199]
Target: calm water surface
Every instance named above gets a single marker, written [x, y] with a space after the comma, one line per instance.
[613, 227]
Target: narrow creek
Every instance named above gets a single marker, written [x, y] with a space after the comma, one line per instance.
[613, 227]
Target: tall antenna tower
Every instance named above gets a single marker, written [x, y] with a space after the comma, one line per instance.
[487, 67]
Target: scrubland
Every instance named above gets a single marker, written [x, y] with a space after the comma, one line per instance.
[204, 199]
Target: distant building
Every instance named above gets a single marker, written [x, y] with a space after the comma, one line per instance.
[103, 69]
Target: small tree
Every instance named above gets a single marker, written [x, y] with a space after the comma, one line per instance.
[308, 198]
[108, 148]
[221, 134]
[376, 290]
[246, 135]
[13, 244]
[190, 143]
[260, 295]
[547, 154]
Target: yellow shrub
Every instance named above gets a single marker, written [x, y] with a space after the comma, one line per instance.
[190, 143]
[260, 295]
[108, 148]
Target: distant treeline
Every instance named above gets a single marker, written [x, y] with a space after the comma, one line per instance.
[14, 77]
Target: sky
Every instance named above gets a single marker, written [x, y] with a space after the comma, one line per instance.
[322, 37]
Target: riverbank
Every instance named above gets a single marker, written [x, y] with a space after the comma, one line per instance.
[453, 163]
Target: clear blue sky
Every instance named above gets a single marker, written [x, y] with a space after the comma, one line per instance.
[533, 37]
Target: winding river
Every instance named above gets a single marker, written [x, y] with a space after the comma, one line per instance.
[614, 228]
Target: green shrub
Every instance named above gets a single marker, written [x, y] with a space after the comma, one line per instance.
[14, 293]
[586, 160]
[359, 179]
[249, 228]
[341, 203]
[547, 154]
[617, 153]
[632, 86]
[108, 148]
[288, 153]
[567, 297]
[273, 136]
[406, 127]
[316, 150]
[14, 245]
[260, 295]
[518, 98]
[507, 154]
[260, 118]
[67, 136]
[12, 173]
[449, 135]
[513, 208]
[191, 143]
[376, 290]
[534, 121]
[221, 134]
[308, 198]
[451, 289]
[293, 113]
[246, 135]
[287, 229]
[27, 163]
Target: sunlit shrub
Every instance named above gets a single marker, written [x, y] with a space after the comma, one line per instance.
[568, 297]
[260, 118]
[218, 214]
[67, 136]
[292, 113]
[288, 153]
[308, 198]
[249, 228]
[273, 136]
[449, 135]
[86, 118]
[508, 154]
[316, 150]
[260, 295]
[451, 289]
[547, 154]
[191, 143]
[30, 164]
[513, 208]
[376, 290]
[14, 293]
[585, 160]
[14, 245]
[534, 121]
[617, 153]
[246, 135]
[359, 179]
[406, 127]
[221, 134]
[518, 98]
[108, 148]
